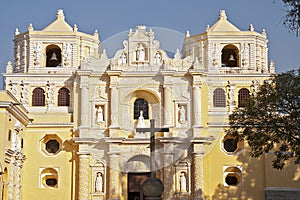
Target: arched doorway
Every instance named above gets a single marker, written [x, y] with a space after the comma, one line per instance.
[135, 182]
[138, 170]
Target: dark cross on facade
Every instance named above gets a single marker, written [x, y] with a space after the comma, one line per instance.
[152, 130]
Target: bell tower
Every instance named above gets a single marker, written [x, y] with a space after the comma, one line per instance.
[56, 46]
[46, 59]
[42, 79]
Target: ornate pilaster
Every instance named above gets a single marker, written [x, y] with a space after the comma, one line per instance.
[114, 177]
[83, 187]
[114, 107]
[11, 181]
[50, 94]
[83, 106]
[231, 96]
[168, 115]
[197, 171]
[168, 177]
[18, 181]
[197, 105]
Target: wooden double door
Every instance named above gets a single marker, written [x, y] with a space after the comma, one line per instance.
[135, 182]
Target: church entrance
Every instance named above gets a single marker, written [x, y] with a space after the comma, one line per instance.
[135, 182]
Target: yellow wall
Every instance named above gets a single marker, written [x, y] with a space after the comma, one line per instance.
[252, 184]
[288, 177]
[37, 159]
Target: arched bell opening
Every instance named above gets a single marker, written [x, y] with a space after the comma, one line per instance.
[230, 56]
[53, 53]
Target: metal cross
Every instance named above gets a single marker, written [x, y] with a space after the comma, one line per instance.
[152, 130]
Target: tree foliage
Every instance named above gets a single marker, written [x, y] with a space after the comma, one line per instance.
[292, 18]
[270, 121]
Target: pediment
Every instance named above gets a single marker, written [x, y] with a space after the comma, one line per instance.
[140, 34]
[59, 24]
[223, 24]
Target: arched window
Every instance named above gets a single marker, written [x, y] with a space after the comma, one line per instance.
[243, 97]
[141, 105]
[38, 97]
[49, 178]
[232, 176]
[219, 99]
[53, 53]
[63, 97]
[230, 56]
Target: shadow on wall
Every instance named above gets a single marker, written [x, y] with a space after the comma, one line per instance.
[258, 174]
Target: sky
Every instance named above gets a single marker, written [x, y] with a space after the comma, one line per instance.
[113, 19]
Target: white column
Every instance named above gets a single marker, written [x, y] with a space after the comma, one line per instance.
[168, 174]
[83, 192]
[168, 114]
[114, 176]
[114, 107]
[18, 181]
[11, 180]
[84, 106]
[197, 171]
[197, 105]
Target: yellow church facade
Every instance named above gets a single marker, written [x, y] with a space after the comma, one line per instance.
[70, 116]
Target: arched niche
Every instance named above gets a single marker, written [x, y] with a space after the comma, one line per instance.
[127, 107]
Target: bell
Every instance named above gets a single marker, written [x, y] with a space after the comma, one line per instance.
[231, 58]
[53, 57]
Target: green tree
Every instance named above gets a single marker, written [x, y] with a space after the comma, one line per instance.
[270, 121]
[292, 18]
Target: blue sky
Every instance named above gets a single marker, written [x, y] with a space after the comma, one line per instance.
[116, 16]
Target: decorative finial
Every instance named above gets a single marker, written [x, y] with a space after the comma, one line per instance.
[103, 55]
[141, 27]
[222, 15]
[9, 67]
[251, 28]
[272, 67]
[60, 14]
[264, 32]
[177, 54]
[187, 34]
[96, 33]
[30, 27]
[207, 28]
[17, 31]
[75, 28]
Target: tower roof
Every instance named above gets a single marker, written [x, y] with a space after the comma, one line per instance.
[222, 24]
[59, 24]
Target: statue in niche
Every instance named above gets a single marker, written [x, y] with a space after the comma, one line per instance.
[99, 114]
[50, 93]
[182, 182]
[140, 53]
[231, 97]
[99, 182]
[157, 58]
[182, 114]
[141, 122]
[122, 59]
[254, 88]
